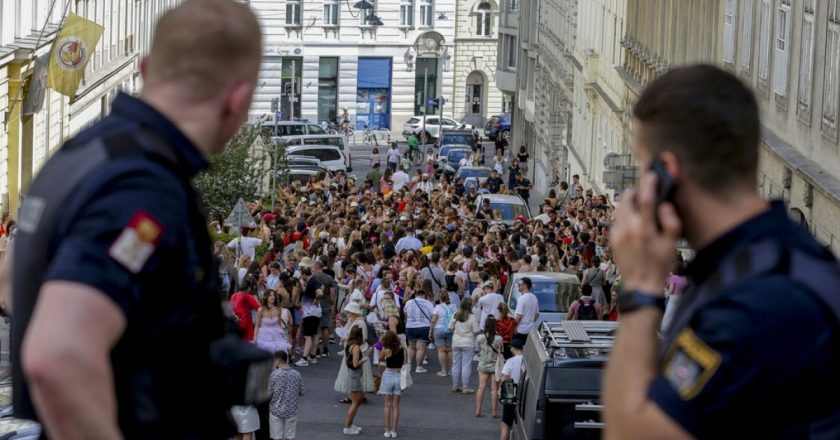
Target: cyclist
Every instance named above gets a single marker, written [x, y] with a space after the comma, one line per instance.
[413, 145]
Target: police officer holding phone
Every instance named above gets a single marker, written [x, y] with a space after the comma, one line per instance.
[753, 350]
[115, 311]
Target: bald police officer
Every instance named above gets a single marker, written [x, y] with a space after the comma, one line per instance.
[115, 301]
[753, 350]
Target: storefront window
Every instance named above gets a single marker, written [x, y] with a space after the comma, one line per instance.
[327, 89]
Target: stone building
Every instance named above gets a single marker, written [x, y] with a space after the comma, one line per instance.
[325, 55]
[475, 96]
[790, 53]
[536, 74]
[601, 105]
[27, 30]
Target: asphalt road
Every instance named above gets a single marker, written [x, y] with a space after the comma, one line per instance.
[428, 409]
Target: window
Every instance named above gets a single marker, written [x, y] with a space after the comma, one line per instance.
[510, 52]
[832, 64]
[729, 31]
[327, 89]
[746, 49]
[427, 11]
[806, 61]
[292, 12]
[407, 13]
[331, 12]
[513, 5]
[764, 41]
[780, 61]
[484, 20]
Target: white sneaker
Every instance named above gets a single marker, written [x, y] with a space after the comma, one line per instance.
[357, 428]
[425, 361]
[432, 346]
[350, 431]
[393, 434]
[441, 373]
[302, 363]
[387, 434]
[420, 370]
[313, 360]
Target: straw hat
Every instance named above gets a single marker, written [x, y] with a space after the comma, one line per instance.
[353, 308]
[305, 262]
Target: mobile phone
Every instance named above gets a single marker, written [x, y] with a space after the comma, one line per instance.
[666, 186]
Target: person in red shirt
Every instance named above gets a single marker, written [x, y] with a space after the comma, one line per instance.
[243, 304]
[505, 326]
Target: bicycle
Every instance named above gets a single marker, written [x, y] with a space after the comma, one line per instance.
[415, 156]
[370, 137]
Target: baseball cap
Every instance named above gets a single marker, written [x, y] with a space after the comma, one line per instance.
[521, 218]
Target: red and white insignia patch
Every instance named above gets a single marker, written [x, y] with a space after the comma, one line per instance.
[137, 242]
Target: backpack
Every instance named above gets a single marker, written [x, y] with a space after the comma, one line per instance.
[348, 358]
[586, 310]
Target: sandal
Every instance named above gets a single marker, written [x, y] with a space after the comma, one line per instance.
[345, 400]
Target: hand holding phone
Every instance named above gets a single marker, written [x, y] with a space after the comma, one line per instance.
[666, 187]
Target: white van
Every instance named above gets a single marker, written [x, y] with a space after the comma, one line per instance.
[320, 139]
[330, 156]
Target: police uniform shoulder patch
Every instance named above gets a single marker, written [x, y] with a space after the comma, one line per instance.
[137, 242]
[689, 364]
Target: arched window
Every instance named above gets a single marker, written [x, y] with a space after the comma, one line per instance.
[484, 20]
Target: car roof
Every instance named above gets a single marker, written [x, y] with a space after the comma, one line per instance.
[503, 198]
[311, 136]
[457, 131]
[475, 168]
[309, 147]
[548, 276]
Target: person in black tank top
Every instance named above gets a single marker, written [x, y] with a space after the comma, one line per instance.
[394, 355]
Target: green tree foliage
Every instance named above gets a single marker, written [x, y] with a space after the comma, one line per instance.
[236, 173]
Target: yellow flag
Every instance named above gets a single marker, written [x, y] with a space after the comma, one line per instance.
[71, 52]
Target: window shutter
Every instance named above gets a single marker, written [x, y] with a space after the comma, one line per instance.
[729, 32]
[780, 68]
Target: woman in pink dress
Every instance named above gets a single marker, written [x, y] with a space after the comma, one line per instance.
[272, 329]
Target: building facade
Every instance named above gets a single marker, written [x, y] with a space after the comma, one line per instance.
[27, 30]
[790, 53]
[475, 95]
[600, 108]
[536, 75]
[322, 56]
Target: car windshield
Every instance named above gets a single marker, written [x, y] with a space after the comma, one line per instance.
[461, 139]
[553, 296]
[457, 155]
[474, 172]
[444, 151]
[334, 141]
[509, 211]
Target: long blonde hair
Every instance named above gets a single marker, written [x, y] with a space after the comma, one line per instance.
[464, 310]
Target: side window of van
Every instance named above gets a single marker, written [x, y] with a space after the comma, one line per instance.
[315, 129]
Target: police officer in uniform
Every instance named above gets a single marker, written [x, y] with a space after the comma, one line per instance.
[115, 301]
[753, 349]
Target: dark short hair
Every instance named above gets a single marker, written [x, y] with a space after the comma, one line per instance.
[281, 356]
[708, 119]
[527, 282]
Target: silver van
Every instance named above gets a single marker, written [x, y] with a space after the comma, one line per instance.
[320, 139]
[329, 156]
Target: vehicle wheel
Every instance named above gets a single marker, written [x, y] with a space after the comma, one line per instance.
[506, 135]
[416, 158]
[351, 132]
[332, 131]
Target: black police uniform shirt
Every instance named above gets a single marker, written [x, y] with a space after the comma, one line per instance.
[175, 394]
[760, 360]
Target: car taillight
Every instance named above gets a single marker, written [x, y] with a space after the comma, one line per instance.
[495, 125]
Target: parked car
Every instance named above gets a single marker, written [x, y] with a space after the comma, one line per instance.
[330, 156]
[480, 174]
[302, 173]
[433, 126]
[498, 125]
[555, 291]
[452, 161]
[291, 128]
[509, 205]
[320, 139]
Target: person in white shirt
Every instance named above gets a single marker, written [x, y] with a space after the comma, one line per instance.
[425, 185]
[400, 179]
[418, 321]
[527, 310]
[489, 303]
[511, 370]
[465, 161]
[408, 242]
[245, 246]
[393, 157]
[272, 281]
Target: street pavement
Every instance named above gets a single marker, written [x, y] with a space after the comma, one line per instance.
[428, 409]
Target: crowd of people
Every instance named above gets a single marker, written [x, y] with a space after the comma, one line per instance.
[392, 267]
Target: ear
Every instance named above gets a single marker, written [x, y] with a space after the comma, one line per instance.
[144, 68]
[238, 101]
[672, 164]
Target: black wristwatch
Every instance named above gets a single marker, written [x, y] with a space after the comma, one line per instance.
[631, 300]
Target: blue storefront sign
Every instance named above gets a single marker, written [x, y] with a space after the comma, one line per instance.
[373, 94]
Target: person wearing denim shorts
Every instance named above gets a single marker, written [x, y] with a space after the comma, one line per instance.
[394, 357]
[440, 333]
[418, 314]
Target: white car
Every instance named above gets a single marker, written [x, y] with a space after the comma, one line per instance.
[329, 155]
[415, 126]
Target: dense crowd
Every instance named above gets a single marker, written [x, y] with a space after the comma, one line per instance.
[393, 266]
